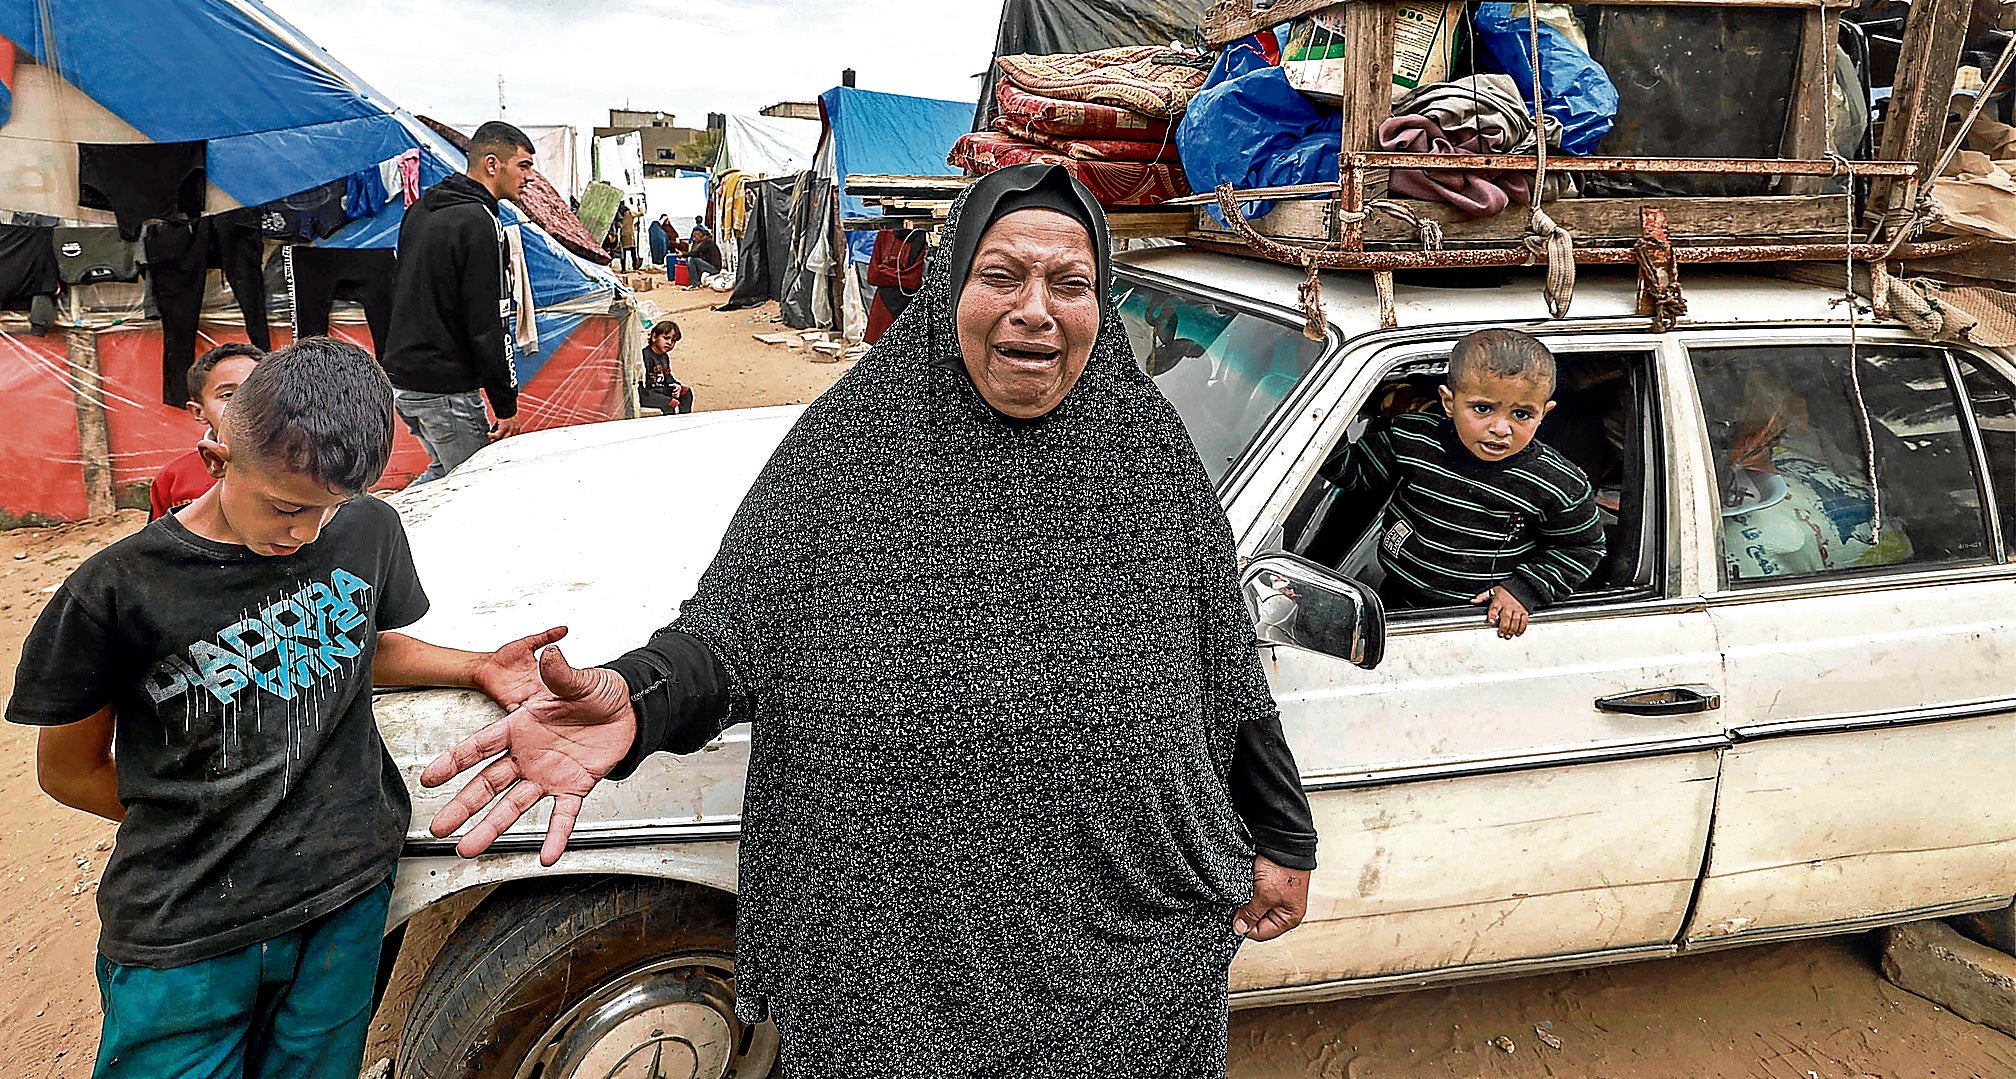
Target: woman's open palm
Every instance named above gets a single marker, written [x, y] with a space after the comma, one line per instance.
[559, 743]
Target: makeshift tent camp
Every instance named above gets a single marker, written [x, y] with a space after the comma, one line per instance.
[869, 133]
[1053, 26]
[85, 404]
[862, 133]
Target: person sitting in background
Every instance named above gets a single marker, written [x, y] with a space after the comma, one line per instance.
[661, 389]
[213, 378]
[703, 257]
[657, 239]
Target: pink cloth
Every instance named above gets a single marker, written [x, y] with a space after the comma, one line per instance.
[409, 175]
[1479, 194]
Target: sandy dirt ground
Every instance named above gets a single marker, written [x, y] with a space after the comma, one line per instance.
[1812, 1010]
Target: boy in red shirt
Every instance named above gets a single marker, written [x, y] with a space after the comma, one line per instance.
[213, 378]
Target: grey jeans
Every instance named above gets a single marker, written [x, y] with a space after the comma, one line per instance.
[453, 426]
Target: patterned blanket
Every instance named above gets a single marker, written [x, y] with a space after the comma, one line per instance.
[1085, 149]
[1076, 119]
[1114, 183]
[1153, 80]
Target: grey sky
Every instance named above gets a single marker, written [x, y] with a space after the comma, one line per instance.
[570, 61]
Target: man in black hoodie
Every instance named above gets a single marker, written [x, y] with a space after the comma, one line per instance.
[451, 297]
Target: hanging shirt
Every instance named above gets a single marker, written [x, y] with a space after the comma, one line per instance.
[27, 262]
[309, 215]
[141, 182]
[86, 256]
[364, 193]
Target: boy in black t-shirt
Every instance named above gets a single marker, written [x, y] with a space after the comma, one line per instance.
[228, 651]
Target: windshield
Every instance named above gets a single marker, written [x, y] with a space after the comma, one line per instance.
[1225, 371]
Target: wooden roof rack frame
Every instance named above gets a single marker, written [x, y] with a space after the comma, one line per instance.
[1797, 223]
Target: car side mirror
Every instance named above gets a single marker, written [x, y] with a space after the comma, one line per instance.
[1296, 602]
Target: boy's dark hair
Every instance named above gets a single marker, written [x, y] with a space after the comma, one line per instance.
[1502, 354]
[664, 324]
[319, 406]
[199, 371]
[497, 137]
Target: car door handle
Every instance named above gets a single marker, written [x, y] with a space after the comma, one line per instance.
[1671, 701]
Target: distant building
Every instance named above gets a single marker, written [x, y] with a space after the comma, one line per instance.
[667, 146]
[794, 110]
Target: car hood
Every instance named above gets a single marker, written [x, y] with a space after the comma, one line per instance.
[602, 528]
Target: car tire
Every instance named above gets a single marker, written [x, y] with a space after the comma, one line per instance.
[566, 978]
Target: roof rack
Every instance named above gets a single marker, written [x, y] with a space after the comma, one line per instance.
[1343, 229]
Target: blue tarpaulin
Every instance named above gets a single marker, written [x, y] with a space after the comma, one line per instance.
[1250, 129]
[277, 113]
[879, 134]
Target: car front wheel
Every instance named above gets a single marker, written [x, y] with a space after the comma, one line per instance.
[587, 977]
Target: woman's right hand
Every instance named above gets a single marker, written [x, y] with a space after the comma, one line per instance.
[557, 744]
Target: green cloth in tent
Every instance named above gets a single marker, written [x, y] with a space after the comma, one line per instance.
[598, 208]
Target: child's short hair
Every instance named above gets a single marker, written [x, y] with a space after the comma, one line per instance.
[1502, 354]
[665, 325]
[199, 371]
[319, 406]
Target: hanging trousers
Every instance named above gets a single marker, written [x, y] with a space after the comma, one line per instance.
[319, 276]
[180, 255]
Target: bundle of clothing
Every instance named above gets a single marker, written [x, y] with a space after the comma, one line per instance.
[1107, 117]
[1482, 114]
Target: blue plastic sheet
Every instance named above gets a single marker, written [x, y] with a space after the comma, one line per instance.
[281, 123]
[889, 135]
[1249, 128]
[1579, 92]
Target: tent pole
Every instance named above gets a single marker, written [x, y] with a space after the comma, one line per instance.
[629, 342]
[94, 433]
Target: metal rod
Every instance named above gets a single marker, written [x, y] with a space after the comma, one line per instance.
[1475, 258]
[1705, 165]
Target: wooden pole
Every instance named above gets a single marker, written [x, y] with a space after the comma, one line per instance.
[94, 434]
[1928, 60]
[1807, 133]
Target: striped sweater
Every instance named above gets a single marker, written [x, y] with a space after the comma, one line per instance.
[1459, 525]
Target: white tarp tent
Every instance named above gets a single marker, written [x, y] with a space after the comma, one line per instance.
[619, 161]
[768, 146]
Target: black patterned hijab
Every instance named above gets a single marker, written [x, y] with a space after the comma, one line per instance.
[995, 672]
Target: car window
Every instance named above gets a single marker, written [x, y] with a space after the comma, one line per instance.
[1994, 407]
[1605, 424]
[1786, 426]
[1224, 370]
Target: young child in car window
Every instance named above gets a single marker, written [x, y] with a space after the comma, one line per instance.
[1481, 513]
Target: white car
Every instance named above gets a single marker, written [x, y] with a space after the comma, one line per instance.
[1778, 711]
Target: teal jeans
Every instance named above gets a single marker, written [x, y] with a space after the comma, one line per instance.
[294, 1007]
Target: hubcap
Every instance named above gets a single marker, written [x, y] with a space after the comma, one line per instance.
[673, 1018]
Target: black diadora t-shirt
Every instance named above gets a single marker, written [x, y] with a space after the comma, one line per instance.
[258, 795]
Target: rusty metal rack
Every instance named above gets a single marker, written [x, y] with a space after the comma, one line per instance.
[1338, 227]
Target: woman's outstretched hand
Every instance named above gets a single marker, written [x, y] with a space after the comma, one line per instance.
[559, 743]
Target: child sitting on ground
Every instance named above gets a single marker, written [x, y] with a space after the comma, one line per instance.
[1481, 513]
[213, 378]
[661, 389]
[228, 652]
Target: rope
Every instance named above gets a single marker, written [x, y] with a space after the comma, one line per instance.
[1430, 232]
[1557, 245]
[1311, 295]
[1655, 260]
[1389, 314]
[1843, 167]
[1543, 236]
